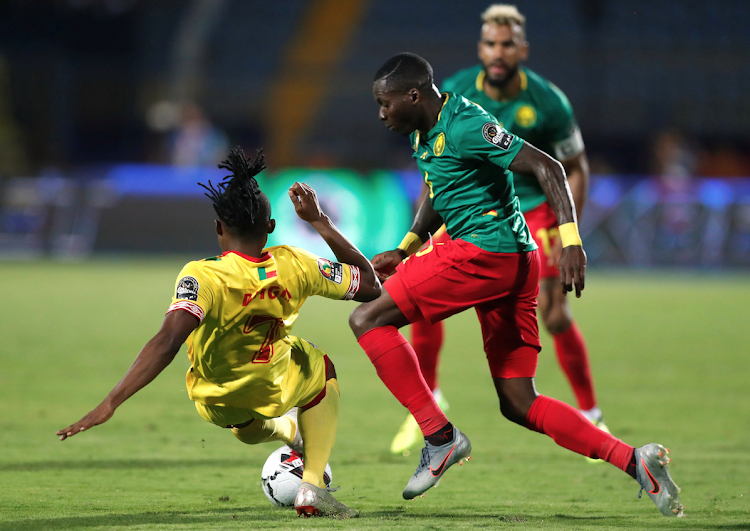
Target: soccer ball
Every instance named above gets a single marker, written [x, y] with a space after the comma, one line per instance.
[282, 475]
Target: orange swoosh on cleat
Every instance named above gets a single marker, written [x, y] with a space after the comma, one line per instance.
[439, 470]
[656, 488]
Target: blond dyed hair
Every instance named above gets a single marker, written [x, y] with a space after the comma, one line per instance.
[504, 15]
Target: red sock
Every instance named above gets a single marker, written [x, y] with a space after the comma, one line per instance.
[571, 430]
[397, 365]
[426, 339]
[574, 360]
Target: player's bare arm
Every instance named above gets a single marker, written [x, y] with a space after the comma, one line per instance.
[308, 208]
[152, 360]
[577, 171]
[427, 221]
[551, 176]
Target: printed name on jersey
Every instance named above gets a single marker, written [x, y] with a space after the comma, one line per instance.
[495, 136]
[332, 271]
[439, 146]
[187, 288]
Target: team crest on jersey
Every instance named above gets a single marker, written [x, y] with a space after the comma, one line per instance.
[187, 288]
[439, 146]
[526, 116]
[496, 136]
[332, 271]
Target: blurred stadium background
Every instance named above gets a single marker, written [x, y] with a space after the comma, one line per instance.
[112, 110]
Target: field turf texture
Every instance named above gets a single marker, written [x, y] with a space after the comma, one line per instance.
[669, 353]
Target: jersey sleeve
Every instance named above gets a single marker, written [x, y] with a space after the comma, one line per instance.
[563, 131]
[330, 279]
[194, 291]
[479, 137]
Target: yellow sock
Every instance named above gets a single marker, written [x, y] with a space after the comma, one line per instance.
[260, 431]
[318, 425]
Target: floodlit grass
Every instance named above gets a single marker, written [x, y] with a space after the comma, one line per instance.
[669, 355]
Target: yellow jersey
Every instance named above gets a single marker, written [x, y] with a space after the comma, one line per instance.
[240, 351]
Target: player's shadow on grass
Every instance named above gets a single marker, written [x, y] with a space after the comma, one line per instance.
[118, 464]
[249, 516]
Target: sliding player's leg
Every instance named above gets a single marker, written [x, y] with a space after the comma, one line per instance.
[248, 427]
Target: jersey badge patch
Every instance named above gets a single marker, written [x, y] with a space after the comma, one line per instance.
[526, 116]
[332, 271]
[495, 136]
[187, 288]
[439, 146]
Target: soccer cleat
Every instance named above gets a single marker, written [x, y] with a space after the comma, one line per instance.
[297, 444]
[599, 423]
[409, 435]
[652, 474]
[435, 461]
[316, 501]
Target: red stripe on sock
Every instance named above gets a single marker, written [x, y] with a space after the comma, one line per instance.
[574, 360]
[568, 428]
[397, 366]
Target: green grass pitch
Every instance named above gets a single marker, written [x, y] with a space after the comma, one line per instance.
[669, 355]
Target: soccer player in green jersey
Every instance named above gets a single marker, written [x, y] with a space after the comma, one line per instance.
[491, 264]
[531, 107]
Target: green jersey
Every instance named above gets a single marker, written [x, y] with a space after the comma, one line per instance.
[464, 160]
[540, 114]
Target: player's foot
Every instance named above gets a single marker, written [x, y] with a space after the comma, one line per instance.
[297, 444]
[435, 461]
[651, 472]
[409, 435]
[599, 423]
[316, 501]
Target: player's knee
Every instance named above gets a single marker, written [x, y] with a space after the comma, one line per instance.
[511, 412]
[557, 321]
[249, 435]
[360, 320]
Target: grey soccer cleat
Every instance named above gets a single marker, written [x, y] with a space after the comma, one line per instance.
[435, 461]
[316, 501]
[651, 472]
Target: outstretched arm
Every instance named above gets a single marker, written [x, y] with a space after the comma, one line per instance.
[154, 358]
[306, 204]
[577, 170]
[551, 176]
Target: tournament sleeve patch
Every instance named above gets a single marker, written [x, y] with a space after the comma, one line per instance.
[493, 134]
[332, 271]
[187, 288]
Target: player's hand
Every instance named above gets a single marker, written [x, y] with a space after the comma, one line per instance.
[306, 203]
[385, 263]
[100, 415]
[572, 266]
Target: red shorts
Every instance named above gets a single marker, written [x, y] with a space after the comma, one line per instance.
[542, 223]
[435, 283]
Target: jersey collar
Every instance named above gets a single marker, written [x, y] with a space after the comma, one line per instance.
[266, 256]
[417, 136]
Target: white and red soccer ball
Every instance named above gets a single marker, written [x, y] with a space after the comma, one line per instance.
[282, 475]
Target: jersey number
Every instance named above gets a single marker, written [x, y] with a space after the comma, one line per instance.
[545, 237]
[272, 327]
[429, 183]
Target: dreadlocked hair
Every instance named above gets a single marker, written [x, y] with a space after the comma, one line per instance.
[237, 199]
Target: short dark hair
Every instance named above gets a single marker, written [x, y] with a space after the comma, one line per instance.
[405, 71]
[237, 199]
